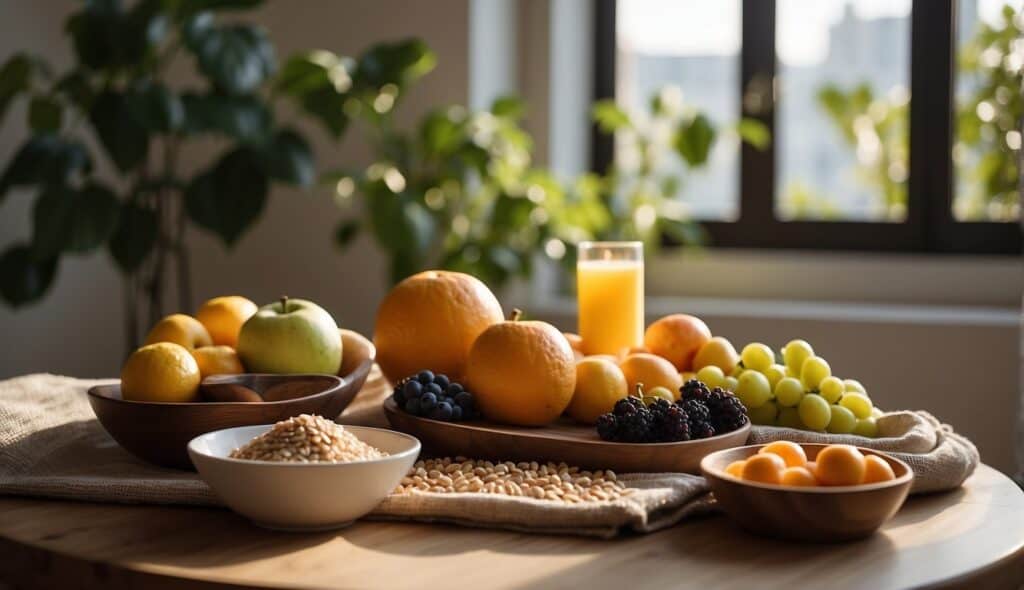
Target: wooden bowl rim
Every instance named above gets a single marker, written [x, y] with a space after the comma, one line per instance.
[100, 391]
[415, 447]
[906, 478]
[390, 406]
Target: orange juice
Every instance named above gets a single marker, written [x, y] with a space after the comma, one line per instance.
[611, 304]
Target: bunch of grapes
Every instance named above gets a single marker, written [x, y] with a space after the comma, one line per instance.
[699, 413]
[436, 397]
[797, 390]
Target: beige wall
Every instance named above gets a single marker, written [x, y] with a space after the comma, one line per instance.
[76, 330]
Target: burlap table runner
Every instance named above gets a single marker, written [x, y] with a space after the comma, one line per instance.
[52, 446]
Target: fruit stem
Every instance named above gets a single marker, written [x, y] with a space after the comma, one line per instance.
[515, 315]
[640, 391]
[284, 304]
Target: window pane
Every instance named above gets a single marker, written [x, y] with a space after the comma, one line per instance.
[989, 107]
[841, 122]
[693, 45]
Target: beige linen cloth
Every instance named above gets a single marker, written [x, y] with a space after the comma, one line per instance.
[52, 446]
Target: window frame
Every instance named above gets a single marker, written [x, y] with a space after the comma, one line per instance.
[929, 226]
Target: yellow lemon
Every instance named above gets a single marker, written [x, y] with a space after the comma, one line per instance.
[161, 372]
[599, 384]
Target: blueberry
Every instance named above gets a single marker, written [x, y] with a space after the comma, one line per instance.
[456, 413]
[428, 401]
[425, 377]
[412, 389]
[433, 388]
[465, 400]
[413, 406]
[399, 397]
[454, 389]
[442, 381]
[443, 411]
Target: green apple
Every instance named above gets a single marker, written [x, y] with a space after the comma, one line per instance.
[290, 336]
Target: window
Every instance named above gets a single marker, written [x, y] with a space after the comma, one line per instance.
[855, 163]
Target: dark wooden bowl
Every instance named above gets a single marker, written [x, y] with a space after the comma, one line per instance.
[159, 432]
[563, 440]
[819, 514]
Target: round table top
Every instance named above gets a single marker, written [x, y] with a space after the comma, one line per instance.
[972, 537]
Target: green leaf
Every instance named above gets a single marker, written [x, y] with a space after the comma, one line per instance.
[75, 85]
[15, 76]
[124, 137]
[68, 220]
[245, 118]
[288, 158]
[440, 136]
[327, 105]
[754, 132]
[694, 139]
[609, 117]
[134, 237]
[24, 279]
[509, 107]
[228, 199]
[45, 159]
[107, 38]
[396, 63]
[156, 108]
[237, 58]
[319, 81]
[190, 6]
[346, 232]
[44, 114]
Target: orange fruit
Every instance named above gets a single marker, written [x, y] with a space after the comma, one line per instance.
[840, 465]
[798, 476]
[718, 352]
[599, 384]
[217, 360]
[792, 453]
[651, 370]
[877, 469]
[430, 320]
[764, 468]
[678, 338]
[735, 468]
[357, 349]
[521, 373]
[161, 372]
[183, 330]
[223, 317]
[812, 466]
[575, 341]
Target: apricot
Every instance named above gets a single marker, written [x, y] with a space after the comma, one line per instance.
[840, 465]
[764, 468]
[792, 453]
[798, 476]
[877, 469]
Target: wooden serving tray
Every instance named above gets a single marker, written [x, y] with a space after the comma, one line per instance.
[562, 441]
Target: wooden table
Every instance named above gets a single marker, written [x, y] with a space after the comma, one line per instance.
[972, 538]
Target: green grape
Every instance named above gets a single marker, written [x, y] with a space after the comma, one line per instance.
[795, 353]
[831, 388]
[792, 373]
[843, 421]
[753, 389]
[866, 427]
[789, 418]
[815, 412]
[730, 384]
[789, 392]
[853, 385]
[765, 414]
[711, 375]
[858, 403]
[774, 373]
[757, 356]
[813, 372]
[737, 370]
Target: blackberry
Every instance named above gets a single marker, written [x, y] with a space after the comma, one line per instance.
[674, 425]
[727, 411]
[694, 389]
[629, 405]
[635, 427]
[701, 430]
[697, 410]
[659, 405]
[608, 427]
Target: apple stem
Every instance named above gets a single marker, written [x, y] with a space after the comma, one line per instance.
[515, 315]
[284, 304]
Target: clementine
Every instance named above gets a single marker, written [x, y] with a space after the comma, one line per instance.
[677, 337]
[223, 317]
[217, 360]
[651, 370]
[183, 330]
[521, 373]
[430, 320]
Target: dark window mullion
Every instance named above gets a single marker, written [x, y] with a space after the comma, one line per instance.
[602, 145]
[757, 101]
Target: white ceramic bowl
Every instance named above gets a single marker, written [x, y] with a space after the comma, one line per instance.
[301, 496]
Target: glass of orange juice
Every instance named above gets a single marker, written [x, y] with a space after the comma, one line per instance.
[610, 292]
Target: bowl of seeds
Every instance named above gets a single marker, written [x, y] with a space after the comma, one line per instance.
[305, 473]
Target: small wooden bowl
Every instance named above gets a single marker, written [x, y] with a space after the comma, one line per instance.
[819, 514]
[159, 432]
